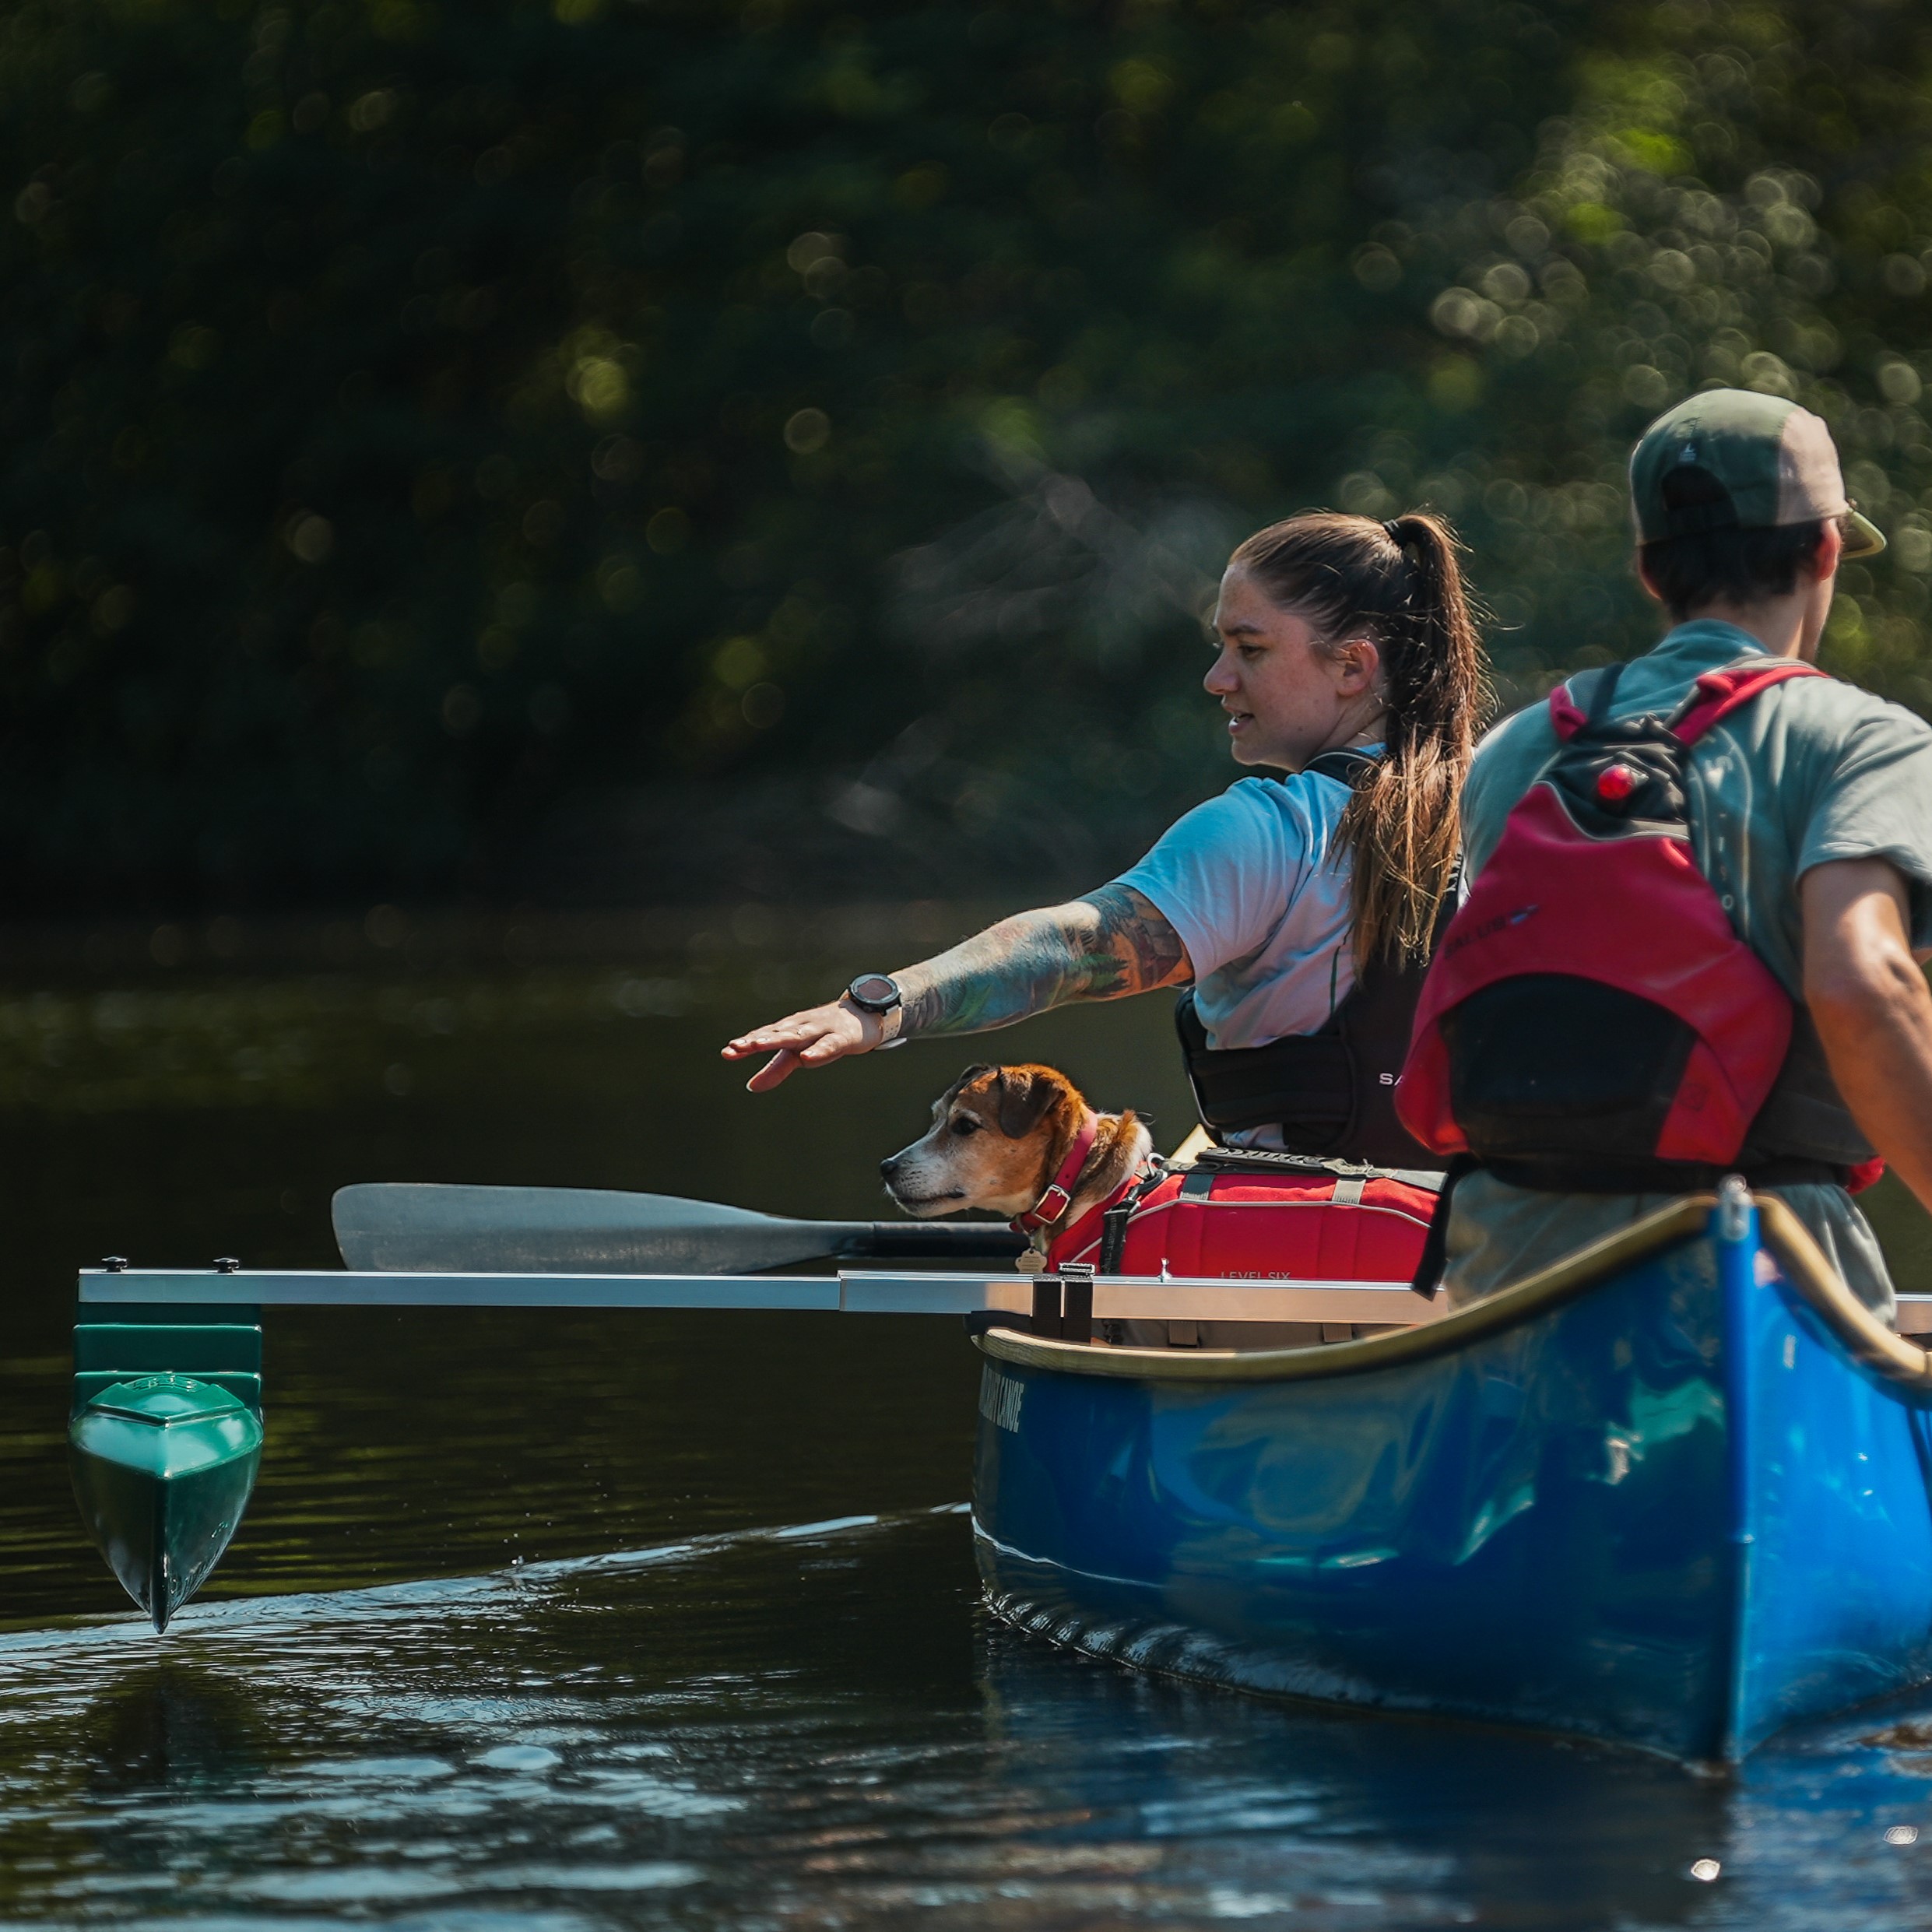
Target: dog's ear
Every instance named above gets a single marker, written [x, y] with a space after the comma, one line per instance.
[976, 1071]
[1025, 1095]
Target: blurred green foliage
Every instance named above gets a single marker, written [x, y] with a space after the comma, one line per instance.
[664, 447]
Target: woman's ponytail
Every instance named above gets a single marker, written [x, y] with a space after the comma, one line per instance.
[1400, 582]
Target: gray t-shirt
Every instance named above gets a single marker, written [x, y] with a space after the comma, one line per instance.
[1809, 771]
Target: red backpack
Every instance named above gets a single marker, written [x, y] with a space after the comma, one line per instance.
[1591, 1002]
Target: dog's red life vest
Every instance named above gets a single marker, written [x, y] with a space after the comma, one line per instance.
[1306, 1225]
[1591, 1000]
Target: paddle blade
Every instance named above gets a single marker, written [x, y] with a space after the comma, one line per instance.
[420, 1227]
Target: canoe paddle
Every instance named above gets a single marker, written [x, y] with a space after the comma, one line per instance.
[419, 1227]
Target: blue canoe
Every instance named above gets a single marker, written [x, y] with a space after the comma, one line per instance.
[1674, 1491]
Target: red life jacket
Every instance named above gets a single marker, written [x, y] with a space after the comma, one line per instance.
[1591, 1001]
[1248, 1218]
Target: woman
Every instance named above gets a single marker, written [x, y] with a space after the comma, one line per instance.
[1347, 657]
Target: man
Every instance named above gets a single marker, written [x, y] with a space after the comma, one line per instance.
[1810, 815]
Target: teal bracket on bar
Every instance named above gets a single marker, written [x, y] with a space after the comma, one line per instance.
[212, 1341]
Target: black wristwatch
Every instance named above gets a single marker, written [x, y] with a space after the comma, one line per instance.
[873, 993]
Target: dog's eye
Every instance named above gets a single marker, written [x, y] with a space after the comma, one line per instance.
[965, 1124]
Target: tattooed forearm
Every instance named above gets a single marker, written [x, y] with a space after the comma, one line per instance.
[1133, 930]
[1112, 942]
[1024, 965]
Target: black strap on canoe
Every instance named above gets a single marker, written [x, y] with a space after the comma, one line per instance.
[1428, 1270]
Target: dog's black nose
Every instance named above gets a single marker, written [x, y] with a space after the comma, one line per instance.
[889, 1166]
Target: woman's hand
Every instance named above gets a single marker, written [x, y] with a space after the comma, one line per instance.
[815, 1037]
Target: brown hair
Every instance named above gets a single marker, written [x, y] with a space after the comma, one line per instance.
[1398, 583]
[1690, 573]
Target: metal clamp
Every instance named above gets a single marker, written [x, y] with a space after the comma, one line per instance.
[1733, 1208]
[1064, 1303]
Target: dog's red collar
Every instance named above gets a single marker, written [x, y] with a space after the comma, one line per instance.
[1059, 1196]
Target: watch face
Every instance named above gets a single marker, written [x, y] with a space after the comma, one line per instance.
[875, 990]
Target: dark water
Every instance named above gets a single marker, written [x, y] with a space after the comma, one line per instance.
[590, 1621]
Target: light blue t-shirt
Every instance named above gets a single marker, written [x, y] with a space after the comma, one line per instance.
[1251, 883]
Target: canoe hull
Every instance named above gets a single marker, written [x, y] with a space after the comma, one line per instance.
[163, 1468]
[1613, 1518]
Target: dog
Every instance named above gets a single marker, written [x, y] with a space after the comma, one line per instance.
[1003, 1139]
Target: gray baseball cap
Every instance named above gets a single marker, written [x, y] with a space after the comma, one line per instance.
[1730, 459]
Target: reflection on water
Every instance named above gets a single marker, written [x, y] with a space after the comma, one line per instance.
[819, 1727]
[173, 1726]
[510, 1638]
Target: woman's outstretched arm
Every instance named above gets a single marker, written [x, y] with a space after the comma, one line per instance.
[1111, 943]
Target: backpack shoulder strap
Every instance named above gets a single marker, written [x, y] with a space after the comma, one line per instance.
[1718, 693]
[1569, 717]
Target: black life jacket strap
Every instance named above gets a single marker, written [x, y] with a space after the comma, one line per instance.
[1347, 764]
[1603, 695]
[1113, 1220]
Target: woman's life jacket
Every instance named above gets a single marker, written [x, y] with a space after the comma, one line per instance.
[1331, 1093]
[1592, 1022]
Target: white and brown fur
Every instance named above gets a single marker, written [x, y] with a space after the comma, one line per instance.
[998, 1137]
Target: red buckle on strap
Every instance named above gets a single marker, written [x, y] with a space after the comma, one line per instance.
[1059, 1196]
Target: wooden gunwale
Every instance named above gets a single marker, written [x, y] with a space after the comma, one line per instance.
[1865, 1337]
[1823, 1289]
